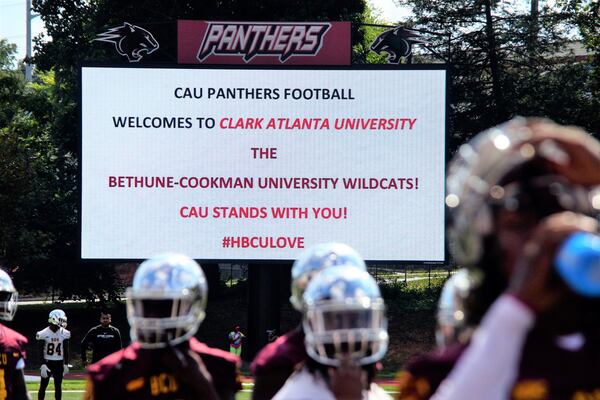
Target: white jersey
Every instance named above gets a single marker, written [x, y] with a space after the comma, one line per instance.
[53, 342]
[303, 385]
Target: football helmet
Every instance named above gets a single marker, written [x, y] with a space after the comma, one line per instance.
[523, 163]
[8, 297]
[452, 324]
[167, 300]
[344, 317]
[58, 317]
[315, 259]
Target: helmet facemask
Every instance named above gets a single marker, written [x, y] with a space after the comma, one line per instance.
[156, 322]
[58, 317]
[166, 302]
[8, 297]
[8, 305]
[352, 329]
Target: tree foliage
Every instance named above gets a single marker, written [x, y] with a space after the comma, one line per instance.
[7, 54]
[585, 15]
[37, 213]
[373, 25]
[504, 62]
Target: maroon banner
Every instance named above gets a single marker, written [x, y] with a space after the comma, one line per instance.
[289, 43]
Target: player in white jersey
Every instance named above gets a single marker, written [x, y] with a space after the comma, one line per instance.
[345, 336]
[54, 347]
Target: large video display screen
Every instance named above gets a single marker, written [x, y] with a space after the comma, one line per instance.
[233, 163]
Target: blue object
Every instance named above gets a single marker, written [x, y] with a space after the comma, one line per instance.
[578, 263]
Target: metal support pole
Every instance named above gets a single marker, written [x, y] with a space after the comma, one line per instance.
[264, 304]
[28, 66]
[28, 47]
[429, 276]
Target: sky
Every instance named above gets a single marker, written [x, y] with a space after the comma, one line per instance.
[12, 24]
[12, 19]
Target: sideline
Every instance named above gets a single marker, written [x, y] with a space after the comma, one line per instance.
[31, 376]
[30, 301]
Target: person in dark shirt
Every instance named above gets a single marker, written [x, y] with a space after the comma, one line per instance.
[104, 339]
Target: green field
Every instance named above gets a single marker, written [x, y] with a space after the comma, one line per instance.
[73, 389]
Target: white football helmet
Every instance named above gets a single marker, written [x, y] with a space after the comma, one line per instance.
[514, 165]
[167, 301]
[58, 317]
[344, 317]
[313, 260]
[8, 297]
[452, 326]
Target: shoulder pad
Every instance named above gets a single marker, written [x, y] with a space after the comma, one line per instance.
[285, 352]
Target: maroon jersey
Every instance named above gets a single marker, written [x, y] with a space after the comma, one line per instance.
[276, 362]
[547, 371]
[12, 349]
[136, 373]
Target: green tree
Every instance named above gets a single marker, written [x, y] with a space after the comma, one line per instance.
[585, 15]
[25, 171]
[36, 202]
[7, 54]
[26, 165]
[505, 62]
[372, 26]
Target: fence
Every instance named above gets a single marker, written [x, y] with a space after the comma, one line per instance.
[232, 273]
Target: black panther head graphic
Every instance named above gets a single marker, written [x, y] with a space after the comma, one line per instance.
[130, 41]
[397, 43]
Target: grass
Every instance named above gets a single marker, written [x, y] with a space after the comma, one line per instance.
[77, 386]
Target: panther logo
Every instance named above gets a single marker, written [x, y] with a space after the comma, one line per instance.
[130, 41]
[397, 42]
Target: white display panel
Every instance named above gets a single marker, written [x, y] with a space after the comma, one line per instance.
[295, 157]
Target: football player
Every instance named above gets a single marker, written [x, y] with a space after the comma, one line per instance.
[165, 306]
[345, 336]
[515, 193]
[54, 347]
[276, 361]
[12, 345]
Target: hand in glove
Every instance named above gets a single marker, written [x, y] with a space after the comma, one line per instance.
[66, 369]
[44, 371]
